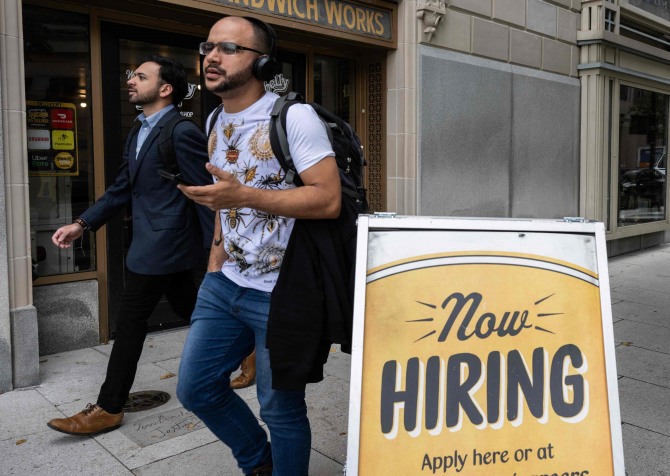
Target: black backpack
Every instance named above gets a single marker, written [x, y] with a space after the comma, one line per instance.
[165, 145]
[346, 145]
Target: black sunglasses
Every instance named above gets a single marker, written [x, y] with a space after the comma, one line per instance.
[224, 47]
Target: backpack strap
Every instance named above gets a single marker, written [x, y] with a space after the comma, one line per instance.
[212, 120]
[278, 138]
[165, 145]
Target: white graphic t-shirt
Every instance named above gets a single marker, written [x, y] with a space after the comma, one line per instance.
[240, 143]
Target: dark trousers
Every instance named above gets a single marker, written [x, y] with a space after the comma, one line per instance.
[140, 296]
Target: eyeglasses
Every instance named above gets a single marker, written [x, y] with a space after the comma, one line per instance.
[224, 47]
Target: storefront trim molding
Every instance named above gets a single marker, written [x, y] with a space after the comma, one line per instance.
[622, 43]
[625, 71]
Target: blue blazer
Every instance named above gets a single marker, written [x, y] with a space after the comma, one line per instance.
[169, 230]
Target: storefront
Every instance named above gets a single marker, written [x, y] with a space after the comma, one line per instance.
[487, 108]
[625, 54]
[77, 57]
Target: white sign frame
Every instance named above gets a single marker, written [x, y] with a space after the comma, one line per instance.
[368, 223]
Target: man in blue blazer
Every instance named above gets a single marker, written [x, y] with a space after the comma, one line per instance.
[169, 233]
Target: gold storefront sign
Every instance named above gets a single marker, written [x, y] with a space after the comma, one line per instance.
[361, 20]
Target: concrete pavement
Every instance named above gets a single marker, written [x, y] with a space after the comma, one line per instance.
[169, 440]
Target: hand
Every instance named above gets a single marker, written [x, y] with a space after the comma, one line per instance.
[65, 235]
[225, 193]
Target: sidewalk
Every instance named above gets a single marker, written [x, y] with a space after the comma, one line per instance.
[167, 440]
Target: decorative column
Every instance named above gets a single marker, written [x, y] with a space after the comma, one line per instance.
[19, 349]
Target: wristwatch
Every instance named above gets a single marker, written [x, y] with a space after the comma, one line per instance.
[82, 223]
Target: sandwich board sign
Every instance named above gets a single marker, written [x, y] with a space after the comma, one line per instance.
[482, 347]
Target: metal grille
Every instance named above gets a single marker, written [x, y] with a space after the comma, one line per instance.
[374, 150]
[145, 400]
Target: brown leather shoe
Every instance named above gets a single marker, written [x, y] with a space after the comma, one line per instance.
[248, 374]
[93, 419]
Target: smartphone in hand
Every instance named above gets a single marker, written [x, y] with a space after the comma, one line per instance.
[174, 178]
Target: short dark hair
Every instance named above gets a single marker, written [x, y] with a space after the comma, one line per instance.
[262, 39]
[173, 73]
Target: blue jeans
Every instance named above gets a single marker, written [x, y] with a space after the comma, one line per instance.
[226, 325]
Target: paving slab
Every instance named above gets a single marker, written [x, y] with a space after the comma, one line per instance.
[24, 413]
[645, 405]
[217, 459]
[639, 276]
[328, 410]
[645, 453]
[46, 454]
[73, 376]
[158, 346]
[338, 364]
[649, 257]
[84, 388]
[644, 365]
[133, 455]
[213, 458]
[320, 465]
[75, 364]
[155, 428]
[652, 315]
[639, 295]
[643, 335]
[170, 365]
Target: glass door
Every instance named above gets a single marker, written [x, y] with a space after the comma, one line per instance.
[335, 86]
[124, 48]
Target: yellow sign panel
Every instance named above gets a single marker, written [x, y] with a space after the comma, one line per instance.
[481, 362]
[62, 140]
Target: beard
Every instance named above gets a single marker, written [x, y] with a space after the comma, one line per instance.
[145, 98]
[231, 82]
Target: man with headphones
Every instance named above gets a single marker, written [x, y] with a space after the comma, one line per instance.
[256, 212]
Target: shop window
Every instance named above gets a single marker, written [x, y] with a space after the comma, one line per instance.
[643, 141]
[60, 159]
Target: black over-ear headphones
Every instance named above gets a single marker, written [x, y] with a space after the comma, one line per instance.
[266, 66]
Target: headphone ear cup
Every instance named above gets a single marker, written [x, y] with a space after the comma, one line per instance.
[265, 68]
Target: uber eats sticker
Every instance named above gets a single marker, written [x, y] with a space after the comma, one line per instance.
[52, 138]
[484, 362]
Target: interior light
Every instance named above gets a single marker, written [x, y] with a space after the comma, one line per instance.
[82, 104]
